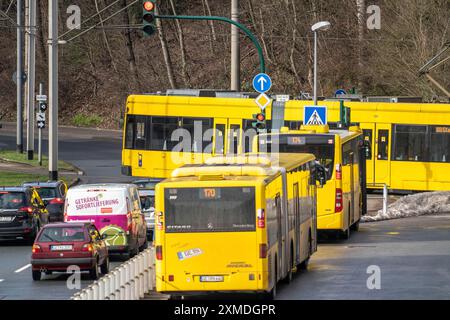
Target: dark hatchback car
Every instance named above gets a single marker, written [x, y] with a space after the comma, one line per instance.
[53, 195]
[22, 213]
[60, 245]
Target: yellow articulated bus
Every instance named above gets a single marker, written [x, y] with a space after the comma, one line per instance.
[342, 201]
[236, 224]
[410, 141]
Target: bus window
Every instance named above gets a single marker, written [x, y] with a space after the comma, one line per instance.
[230, 209]
[440, 144]
[323, 150]
[383, 144]
[410, 143]
[367, 133]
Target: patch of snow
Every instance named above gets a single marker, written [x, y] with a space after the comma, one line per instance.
[414, 205]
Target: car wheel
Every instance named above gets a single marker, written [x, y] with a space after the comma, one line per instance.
[36, 275]
[93, 273]
[104, 268]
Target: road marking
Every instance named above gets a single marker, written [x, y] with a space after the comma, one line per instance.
[23, 268]
[1, 280]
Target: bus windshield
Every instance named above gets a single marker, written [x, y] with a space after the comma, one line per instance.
[230, 209]
[321, 146]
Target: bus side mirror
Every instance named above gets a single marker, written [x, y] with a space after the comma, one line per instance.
[367, 150]
[321, 175]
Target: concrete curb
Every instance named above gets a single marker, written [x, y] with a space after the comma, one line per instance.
[76, 169]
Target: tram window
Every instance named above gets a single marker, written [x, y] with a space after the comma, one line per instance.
[410, 143]
[233, 141]
[129, 132]
[136, 132]
[440, 144]
[383, 144]
[293, 125]
[367, 133]
[197, 128]
[141, 133]
[220, 138]
[161, 133]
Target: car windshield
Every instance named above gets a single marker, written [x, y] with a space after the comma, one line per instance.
[12, 200]
[62, 234]
[46, 192]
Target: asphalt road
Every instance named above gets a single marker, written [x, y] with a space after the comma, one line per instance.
[412, 254]
[96, 152]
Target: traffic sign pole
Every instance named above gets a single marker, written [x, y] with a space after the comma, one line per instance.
[41, 92]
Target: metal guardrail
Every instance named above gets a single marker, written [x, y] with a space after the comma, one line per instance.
[129, 281]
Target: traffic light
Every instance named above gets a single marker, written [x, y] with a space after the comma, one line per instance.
[148, 17]
[259, 122]
[344, 116]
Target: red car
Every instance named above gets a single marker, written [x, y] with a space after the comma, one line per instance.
[61, 245]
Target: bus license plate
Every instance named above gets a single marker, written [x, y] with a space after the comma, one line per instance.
[62, 248]
[211, 279]
[6, 219]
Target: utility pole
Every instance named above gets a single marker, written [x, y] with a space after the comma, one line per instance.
[235, 52]
[53, 88]
[31, 76]
[19, 75]
[25, 64]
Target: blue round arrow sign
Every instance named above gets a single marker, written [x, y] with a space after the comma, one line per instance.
[262, 83]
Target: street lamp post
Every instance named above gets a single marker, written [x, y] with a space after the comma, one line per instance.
[322, 25]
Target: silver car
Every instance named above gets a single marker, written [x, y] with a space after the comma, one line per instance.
[147, 197]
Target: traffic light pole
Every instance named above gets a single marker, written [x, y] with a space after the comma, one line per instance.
[53, 89]
[19, 75]
[223, 19]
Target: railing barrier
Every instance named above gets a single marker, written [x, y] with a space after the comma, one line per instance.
[129, 281]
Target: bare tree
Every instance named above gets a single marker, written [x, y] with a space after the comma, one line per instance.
[105, 37]
[184, 73]
[130, 50]
[165, 51]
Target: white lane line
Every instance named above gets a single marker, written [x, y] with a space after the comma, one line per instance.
[1, 280]
[23, 268]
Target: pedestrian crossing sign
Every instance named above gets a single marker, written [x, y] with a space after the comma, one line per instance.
[315, 115]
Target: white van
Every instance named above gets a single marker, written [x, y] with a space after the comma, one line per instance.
[115, 209]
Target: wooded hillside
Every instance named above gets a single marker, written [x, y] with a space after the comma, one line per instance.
[99, 69]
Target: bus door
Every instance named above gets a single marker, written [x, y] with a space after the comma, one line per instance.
[369, 136]
[352, 190]
[227, 136]
[297, 223]
[382, 154]
[279, 233]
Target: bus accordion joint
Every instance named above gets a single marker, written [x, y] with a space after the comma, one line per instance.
[263, 250]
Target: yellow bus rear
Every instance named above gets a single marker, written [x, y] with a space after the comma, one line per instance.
[233, 228]
[342, 200]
